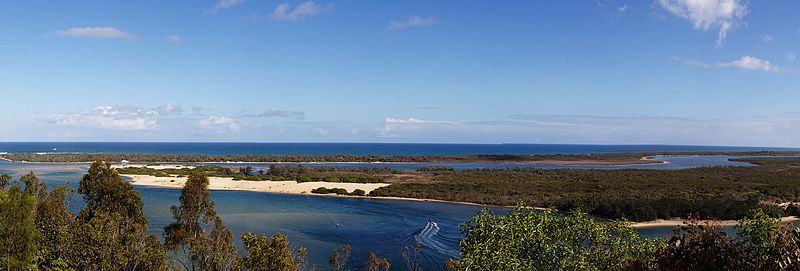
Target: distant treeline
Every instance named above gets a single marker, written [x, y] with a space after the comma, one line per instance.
[499, 158]
[636, 194]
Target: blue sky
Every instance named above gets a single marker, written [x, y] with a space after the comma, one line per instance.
[716, 72]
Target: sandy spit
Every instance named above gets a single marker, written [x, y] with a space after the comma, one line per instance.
[219, 183]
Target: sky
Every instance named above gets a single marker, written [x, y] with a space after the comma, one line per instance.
[695, 72]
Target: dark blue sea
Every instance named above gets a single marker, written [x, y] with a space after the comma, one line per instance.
[210, 148]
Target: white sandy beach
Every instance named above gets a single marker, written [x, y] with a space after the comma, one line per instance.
[218, 183]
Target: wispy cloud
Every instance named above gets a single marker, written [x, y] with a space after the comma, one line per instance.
[622, 9]
[780, 130]
[276, 113]
[96, 33]
[109, 117]
[285, 13]
[767, 38]
[393, 127]
[173, 38]
[745, 63]
[414, 21]
[219, 124]
[226, 4]
[751, 63]
[721, 15]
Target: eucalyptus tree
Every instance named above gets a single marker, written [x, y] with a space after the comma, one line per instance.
[198, 238]
[110, 233]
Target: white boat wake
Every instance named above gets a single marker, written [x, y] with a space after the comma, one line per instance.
[426, 238]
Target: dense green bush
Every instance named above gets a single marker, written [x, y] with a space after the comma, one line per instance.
[527, 239]
[338, 191]
[358, 192]
[636, 194]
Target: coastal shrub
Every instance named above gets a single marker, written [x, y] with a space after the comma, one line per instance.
[375, 263]
[700, 246]
[338, 191]
[761, 243]
[793, 209]
[358, 192]
[527, 239]
[264, 253]
[426, 169]
[339, 258]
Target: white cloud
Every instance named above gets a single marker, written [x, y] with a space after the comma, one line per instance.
[622, 8]
[414, 21]
[751, 63]
[110, 117]
[415, 121]
[219, 124]
[170, 108]
[226, 4]
[722, 15]
[173, 38]
[96, 33]
[766, 38]
[285, 13]
[745, 63]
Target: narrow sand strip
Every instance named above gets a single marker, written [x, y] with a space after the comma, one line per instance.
[661, 223]
[219, 183]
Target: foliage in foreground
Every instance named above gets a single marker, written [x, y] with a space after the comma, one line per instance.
[37, 232]
[526, 239]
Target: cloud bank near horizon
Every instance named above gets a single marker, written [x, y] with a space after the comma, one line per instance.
[170, 122]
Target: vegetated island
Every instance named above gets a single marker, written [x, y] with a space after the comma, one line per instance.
[610, 159]
[726, 193]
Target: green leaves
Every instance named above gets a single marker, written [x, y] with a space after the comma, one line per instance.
[198, 229]
[528, 239]
[265, 254]
[17, 228]
[111, 231]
